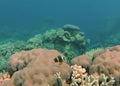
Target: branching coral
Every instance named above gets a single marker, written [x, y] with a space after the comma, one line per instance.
[108, 63]
[82, 60]
[79, 77]
[78, 72]
[58, 79]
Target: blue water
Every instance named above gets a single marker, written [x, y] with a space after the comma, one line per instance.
[22, 19]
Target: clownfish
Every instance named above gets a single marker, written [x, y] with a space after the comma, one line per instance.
[59, 59]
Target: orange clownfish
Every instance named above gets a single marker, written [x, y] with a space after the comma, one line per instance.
[59, 59]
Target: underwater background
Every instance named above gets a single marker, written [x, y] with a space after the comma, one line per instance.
[60, 42]
[98, 19]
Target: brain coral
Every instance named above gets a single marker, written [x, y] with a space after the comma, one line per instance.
[35, 67]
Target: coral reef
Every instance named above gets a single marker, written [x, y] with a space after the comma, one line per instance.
[41, 66]
[4, 76]
[79, 77]
[106, 61]
[82, 60]
[68, 40]
[94, 52]
[44, 71]
[34, 42]
[37, 67]
[58, 80]
[6, 50]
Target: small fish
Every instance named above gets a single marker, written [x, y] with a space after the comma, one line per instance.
[59, 59]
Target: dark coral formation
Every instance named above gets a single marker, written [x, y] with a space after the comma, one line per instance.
[68, 40]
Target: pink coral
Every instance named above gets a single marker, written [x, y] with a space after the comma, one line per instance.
[108, 63]
[36, 67]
